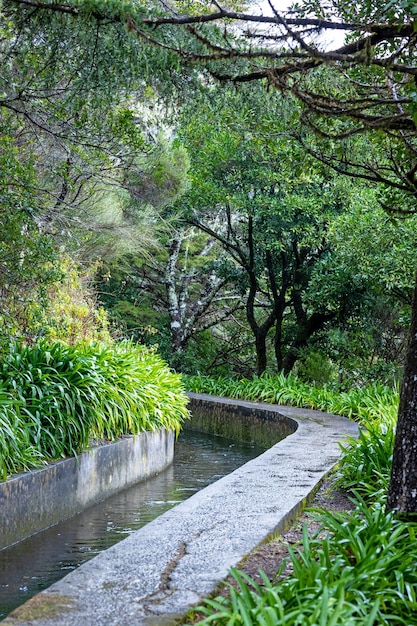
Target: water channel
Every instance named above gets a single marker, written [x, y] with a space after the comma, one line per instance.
[34, 564]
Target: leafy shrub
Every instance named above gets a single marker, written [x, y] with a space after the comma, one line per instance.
[316, 367]
[16, 450]
[361, 572]
[72, 314]
[364, 404]
[54, 398]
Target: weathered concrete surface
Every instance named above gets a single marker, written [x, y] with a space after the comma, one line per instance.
[250, 423]
[161, 570]
[36, 500]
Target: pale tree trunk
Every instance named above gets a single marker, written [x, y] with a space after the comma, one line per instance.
[402, 493]
[190, 313]
[174, 309]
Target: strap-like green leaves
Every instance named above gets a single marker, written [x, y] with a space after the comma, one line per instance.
[54, 399]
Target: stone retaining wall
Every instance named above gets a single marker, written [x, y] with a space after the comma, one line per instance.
[232, 419]
[35, 500]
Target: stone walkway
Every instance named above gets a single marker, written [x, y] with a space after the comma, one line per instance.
[169, 565]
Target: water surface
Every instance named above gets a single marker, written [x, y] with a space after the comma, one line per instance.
[34, 564]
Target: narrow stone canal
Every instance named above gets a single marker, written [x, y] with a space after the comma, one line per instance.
[34, 564]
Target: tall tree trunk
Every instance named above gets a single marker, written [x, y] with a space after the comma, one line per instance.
[278, 295]
[259, 331]
[260, 345]
[278, 342]
[291, 357]
[402, 492]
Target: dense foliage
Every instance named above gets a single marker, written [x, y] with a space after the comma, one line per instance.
[56, 399]
[268, 206]
[358, 568]
[373, 402]
[84, 163]
[83, 160]
[96, 145]
[271, 258]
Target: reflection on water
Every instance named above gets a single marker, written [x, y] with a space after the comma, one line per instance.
[34, 564]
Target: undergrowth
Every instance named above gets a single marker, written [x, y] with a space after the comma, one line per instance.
[361, 572]
[372, 402]
[360, 566]
[55, 398]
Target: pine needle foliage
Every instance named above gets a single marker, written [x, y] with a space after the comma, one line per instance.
[56, 398]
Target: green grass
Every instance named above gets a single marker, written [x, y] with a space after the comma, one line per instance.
[55, 398]
[360, 567]
[373, 402]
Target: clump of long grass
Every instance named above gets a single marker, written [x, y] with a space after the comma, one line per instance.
[359, 568]
[55, 398]
[368, 403]
[365, 465]
[362, 572]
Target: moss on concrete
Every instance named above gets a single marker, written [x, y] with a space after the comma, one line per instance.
[43, 606]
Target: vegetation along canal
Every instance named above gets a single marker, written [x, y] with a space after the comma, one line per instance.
[34, 564]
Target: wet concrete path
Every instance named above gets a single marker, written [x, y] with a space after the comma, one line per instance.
[163, 569]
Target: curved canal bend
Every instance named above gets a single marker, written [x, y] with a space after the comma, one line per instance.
[201, 538]
[35, 563]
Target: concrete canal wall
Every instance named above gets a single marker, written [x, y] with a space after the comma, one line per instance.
[35, 500]
[248, 423]
[152, 577]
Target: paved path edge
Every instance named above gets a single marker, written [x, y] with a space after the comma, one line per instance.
[162, 570]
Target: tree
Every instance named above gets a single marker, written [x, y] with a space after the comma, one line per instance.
[27, 258]
[85, 161]
[370, 270]
[273, 206]
[373, 93]
[83, 118]
[176, 290]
